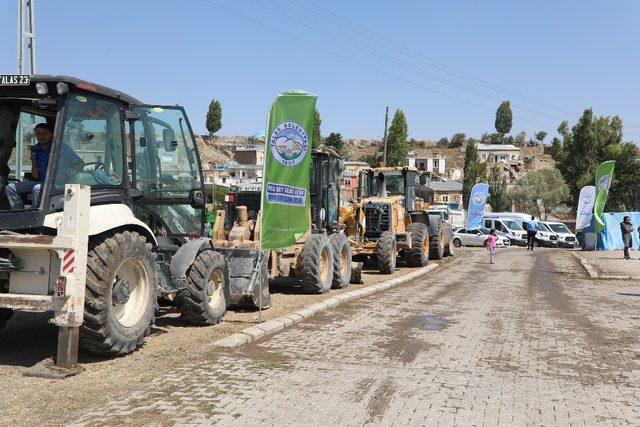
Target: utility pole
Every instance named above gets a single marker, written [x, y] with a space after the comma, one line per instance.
[384, 140]
[26, 35]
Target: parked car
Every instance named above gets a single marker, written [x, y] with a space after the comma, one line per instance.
[508, 228]
[566, 239]
[545, 236]
[477, 237]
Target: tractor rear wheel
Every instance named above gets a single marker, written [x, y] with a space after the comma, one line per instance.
[121, 294]
[418, 255]
[316, 264]
[341, 261]
[204, 300]
[5, 315]
[437, 246]
[387, 252]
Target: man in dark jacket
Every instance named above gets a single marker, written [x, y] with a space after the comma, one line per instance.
[627, 235]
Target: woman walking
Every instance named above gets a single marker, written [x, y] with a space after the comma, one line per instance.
[491, 245]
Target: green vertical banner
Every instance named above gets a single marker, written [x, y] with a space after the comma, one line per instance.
[286, 213]
[604, 176]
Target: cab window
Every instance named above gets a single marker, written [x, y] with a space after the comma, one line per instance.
[91, 150]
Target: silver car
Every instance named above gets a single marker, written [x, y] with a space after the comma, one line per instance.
[477, 237]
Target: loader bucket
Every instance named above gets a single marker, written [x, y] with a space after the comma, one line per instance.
[248, 277]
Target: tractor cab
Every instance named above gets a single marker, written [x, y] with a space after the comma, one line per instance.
[139, 156]
[389, 183]
[326, 174]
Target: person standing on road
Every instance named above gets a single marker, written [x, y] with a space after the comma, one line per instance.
[491, 245]
[532, 228]
[627, 238]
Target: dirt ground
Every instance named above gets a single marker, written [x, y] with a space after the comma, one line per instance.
[29, 338]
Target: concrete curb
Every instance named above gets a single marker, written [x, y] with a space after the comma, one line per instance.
[593, 273]
[272, 326]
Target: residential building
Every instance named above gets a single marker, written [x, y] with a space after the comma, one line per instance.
[354, 167]
[435, 163]
[442, 193]
[494, 153]
[249, 155]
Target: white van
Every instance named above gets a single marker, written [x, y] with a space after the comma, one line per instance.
[544, 236]
[508, 228]
[566, 238]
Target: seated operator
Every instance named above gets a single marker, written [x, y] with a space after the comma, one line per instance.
[40, 155]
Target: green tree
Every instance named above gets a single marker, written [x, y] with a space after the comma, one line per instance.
[214, 117]
[443, 142]
[317, 137]
[504, 118]
[557, 150]
[372, 159]
[589, 142]
[470, 170]
[540, 136]
[521, 138]
[624, 193]
[497, 190]
[334, 140]
[539, 192]
[457, 140]
[397, 140]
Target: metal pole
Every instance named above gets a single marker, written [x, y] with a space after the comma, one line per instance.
[384, 145]
[32, 37]
[20, 47]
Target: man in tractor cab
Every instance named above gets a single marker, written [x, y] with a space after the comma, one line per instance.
[40, 154]
[39, 163]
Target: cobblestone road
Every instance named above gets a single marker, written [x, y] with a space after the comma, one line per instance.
[527, 340]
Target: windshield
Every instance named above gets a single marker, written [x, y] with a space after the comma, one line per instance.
[544, 227]
[512, 225]
[559, 228]
[394, 185]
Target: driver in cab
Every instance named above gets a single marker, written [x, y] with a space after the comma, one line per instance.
[40, 154]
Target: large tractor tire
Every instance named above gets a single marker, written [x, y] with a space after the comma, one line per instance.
[341, 261]
[316, 264]
[437, 246]
[204, 300]
[449, 248]
[121, 294]
[5, 315]
[418, 255]
[387, 252]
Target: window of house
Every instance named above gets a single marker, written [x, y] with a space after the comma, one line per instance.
[436, 163]
[232, 174]
[445, 198]
[224, 180]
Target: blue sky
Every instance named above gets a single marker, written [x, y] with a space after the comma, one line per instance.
[558, 57]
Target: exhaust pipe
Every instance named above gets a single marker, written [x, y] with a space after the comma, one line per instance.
[382, 186]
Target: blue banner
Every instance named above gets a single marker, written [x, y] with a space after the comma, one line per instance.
[477, 199]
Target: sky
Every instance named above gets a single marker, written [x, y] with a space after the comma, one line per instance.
[446, 64]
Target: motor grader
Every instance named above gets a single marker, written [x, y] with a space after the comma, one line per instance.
[321, 259]
[388, 220]
[120, 211]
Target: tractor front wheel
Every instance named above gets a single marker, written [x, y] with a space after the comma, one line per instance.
[387, 252]
[418, 255]
[204, 301]
[121, 294]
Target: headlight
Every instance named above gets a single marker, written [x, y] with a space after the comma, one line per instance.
[42, 88]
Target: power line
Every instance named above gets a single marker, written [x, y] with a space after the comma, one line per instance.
[364, 31]
[362, 64]
[403, 64]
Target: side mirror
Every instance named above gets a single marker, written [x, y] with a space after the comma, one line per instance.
[196, 199]
[169, 139]
[142, 142]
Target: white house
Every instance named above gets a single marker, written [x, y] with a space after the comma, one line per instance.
[436, 163]
[493, 153]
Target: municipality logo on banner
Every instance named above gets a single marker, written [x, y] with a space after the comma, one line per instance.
[285, 212]
[477, 200]
[585, 206]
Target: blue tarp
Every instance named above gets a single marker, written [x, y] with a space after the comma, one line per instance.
[611, 237]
